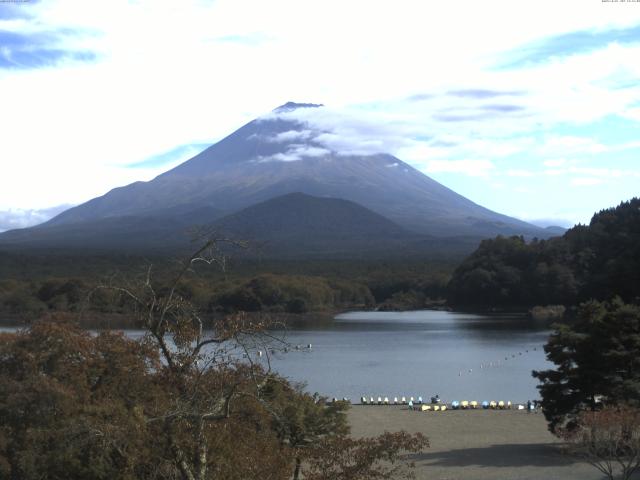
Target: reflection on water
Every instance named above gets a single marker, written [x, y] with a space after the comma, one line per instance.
[420, 353]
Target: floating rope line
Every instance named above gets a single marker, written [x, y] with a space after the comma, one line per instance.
[498, 363]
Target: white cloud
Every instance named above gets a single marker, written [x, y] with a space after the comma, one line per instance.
[351, 145]
[295, 153]
[585, 181]
[19, 218]
[519, 173]
[578, 89]
[558, 162]
[570, 145]
[411, 134]
[474, 168]
[625, 146]
[632, 114]
[351, 131]
[290, 136]
[595, 172]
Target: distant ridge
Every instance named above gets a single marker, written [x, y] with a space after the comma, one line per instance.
[556, 230]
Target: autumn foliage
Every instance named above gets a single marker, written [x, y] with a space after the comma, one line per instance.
[77, 405]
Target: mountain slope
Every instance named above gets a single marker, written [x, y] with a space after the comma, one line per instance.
[277, 155]
[298, 224]
[295, 226]
[292, 225]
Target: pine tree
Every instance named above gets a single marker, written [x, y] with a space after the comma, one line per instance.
[597, 360]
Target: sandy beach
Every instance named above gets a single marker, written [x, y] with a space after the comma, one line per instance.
[476, 444]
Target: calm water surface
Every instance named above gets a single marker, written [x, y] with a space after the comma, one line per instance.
[421, 353]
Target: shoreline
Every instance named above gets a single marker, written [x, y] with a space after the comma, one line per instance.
[124, 321]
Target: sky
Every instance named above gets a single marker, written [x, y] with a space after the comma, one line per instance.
[531, 109]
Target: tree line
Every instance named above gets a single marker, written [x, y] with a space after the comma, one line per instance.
[394, 287]
[596, 261]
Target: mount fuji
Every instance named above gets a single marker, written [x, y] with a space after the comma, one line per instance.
[261, 165]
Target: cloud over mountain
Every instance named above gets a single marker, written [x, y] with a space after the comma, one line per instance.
[11, 219]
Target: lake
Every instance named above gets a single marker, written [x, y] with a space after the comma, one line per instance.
[420, 353]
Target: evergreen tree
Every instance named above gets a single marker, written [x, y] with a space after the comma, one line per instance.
[597, 359]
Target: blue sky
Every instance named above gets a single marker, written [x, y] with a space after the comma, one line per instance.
[529, 108]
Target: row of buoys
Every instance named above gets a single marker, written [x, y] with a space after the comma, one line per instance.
[493, 405]
[386, 401]
[455, 404]
[260, 353]
[486, 405]
[465, 404]
[495, 364]
[433, 408]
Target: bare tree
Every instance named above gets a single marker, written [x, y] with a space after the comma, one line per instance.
[208, 363]
[208, 366]
[608, 439]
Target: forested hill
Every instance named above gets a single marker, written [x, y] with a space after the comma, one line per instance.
[599, 260]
